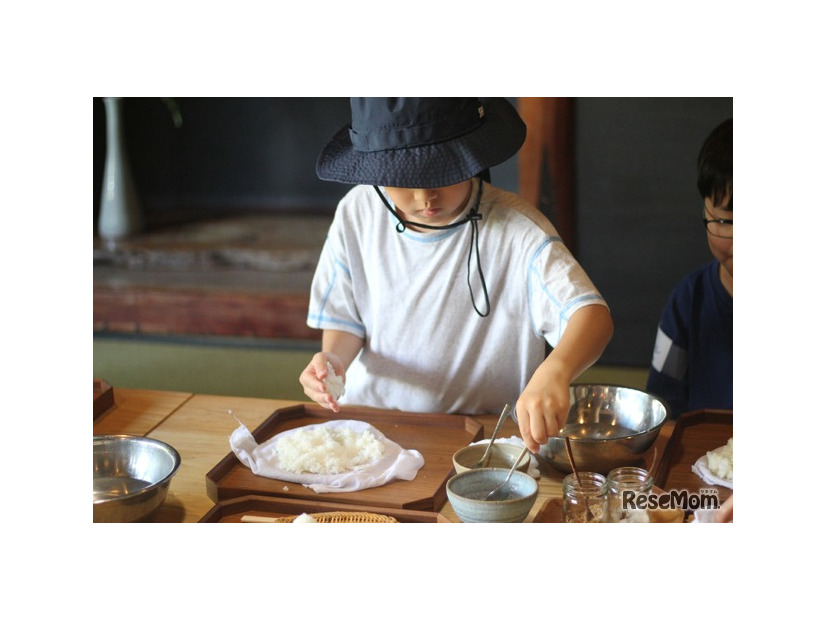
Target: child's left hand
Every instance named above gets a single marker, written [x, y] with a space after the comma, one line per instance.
[542, 409]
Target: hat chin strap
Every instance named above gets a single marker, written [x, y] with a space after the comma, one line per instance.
[473, 217]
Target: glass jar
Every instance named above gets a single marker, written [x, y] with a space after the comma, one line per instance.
[586, 502]
[623, 485]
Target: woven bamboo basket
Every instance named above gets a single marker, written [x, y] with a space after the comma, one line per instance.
[327, 517]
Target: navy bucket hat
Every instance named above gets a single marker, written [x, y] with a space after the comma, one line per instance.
[415, 142]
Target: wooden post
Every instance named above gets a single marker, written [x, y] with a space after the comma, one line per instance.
[546, 161]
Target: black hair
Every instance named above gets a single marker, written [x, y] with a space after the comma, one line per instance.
[714, 165]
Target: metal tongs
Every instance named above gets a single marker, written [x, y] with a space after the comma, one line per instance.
[483, 462]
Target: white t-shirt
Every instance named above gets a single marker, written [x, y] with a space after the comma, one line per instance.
[406, 293]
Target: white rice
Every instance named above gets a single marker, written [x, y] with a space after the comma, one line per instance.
[305, 518]
[721, 461]
[322, 450]
[333, 383]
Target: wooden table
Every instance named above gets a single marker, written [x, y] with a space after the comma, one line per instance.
[199, 426]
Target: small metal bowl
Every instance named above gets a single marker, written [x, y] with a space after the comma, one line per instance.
[467, 491]
[609, 425]
[131, 476]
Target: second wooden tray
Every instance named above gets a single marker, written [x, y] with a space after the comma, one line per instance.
[695, 433]
[436, 436]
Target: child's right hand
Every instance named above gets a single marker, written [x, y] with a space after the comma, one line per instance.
[313, 376]
[726, 512]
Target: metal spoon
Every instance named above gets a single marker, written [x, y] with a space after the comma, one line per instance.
[571, 460]
[496, 494]
[486, 456]
[589, 516]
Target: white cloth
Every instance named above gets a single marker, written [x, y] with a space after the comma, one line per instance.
[700, 468]
[533, 466]
[704, 515]
[396, 463]
[426, 349]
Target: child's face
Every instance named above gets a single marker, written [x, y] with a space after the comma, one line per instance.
[436, 207]
[721, 248]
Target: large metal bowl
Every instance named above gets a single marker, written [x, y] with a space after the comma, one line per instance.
[131, 476]
[609, 425]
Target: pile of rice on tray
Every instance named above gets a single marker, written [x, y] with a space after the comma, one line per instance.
[324, 450]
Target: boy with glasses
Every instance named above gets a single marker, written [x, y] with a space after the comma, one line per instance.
[692, 365]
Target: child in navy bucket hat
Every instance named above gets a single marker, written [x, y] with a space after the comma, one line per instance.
[437, 291]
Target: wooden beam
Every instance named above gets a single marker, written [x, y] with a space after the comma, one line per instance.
[546, 161]
[156, 311]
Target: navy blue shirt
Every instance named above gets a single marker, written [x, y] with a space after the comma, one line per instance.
[693, 362]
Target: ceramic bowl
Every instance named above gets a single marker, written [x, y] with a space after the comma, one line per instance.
[467, 491]
[502, 455]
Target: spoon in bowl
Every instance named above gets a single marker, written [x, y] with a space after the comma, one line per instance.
[486, 456]
[499, 492]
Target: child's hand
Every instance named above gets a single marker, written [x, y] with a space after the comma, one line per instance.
[542, 409]
[726, 512]
[313, 379]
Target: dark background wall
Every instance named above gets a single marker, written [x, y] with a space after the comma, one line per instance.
[638, 227]
[228, 154]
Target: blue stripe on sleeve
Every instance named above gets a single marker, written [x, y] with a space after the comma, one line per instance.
[564, 311]
[319, 319]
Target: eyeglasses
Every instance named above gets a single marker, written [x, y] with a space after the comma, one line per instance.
[719, 227]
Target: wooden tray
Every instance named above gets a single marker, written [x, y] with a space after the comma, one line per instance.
[551, 511]
[695, 433]
[231, 510]
[436, 436]
[104, 398]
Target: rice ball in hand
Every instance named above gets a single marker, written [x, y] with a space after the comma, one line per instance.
[333, 383]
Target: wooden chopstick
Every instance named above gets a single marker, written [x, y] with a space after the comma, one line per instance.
[257, 519]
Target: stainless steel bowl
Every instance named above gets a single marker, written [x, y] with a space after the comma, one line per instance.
[609, 426]
[131, 476]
